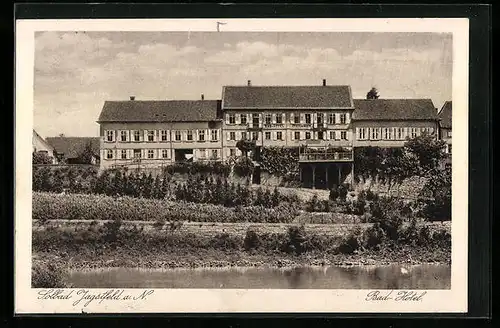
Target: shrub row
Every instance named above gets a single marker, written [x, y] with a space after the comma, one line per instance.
[48, 206]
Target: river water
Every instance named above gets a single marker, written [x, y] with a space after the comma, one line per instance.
[427, 276]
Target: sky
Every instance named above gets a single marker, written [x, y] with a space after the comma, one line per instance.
[76, 72]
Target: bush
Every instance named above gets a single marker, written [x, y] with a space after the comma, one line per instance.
[296, 239]
[252, 240]
[243, 167]
[47, 206]
[48, 275]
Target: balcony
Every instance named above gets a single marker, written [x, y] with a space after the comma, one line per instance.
[315, 156]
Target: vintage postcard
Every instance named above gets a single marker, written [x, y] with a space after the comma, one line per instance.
[241, 165]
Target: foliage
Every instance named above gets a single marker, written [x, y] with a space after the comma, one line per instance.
[86, 154]
[436, 195]
[252, 240]
[296, 238]
[280, 161]
[216, 168]
[427, 151]
[47, 206]
[243, 167]
[48, 275]
[245, 146]
[41, 158]
[372, 94]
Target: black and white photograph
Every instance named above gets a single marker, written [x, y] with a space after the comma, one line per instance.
[224, 158]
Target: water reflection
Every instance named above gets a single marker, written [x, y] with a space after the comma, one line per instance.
[353, 277]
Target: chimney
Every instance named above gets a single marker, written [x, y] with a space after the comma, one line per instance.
[132, 97]
[324, 82]
[202, 96]
[249, 83]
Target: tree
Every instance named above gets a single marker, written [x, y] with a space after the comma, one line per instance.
[372, 94]
[245, 146]
[41, 158]
[427, 151]
[86, 154]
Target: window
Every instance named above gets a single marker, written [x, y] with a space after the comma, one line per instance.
[109, 154]
[255, 136]
[449, 149]
[232, 135]
[343, 135]
[389, 133]
[279, 135]
[123, 136]
[163, 135]
[189, 136]
[268, 118]
[243, 135]
[151, 153]
[255, 119]
[137, 136]
[342, 118]
[124, 154]
[296, 118]
[214, 153]
[362, 133]
[268, 135]
[320, 135]
[232, 119]
[297, 135]
[413, 132]
[232, 152]
[178, 136]
[449, 133]
[110, 135]
[400, 133]
[243, 118]
[386, 133]
[332, 135]
[151, 136]
[202, 153]
[201, 135]
[319, 118]
[331, 118]
[308, 135]
[308, 118]
[137, 153]
[279, 119]
[164, 153]
[375, 134]
[214, 135]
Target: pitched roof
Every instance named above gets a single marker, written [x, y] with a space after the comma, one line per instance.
[284, 97]
[72, 146]
[159, 111]
[394, 109]
[445, 115]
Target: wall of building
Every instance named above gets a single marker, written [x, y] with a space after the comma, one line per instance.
[397, 131]
[268, 132]
[41, 145]
[164, 143]
[446, 136]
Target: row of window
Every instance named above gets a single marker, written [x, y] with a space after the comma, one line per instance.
[295, 118]
[390, 133]
[160, 135]
[155, 153]
[294, 135]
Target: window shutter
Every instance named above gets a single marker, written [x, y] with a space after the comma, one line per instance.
[327, 136]
[274, 118]
[291, 135]
[260, 120]
[301, 118]
[227, 118]
[228, 136]
[347, 118]
[292, 118]
[325, 117]
[207, 135]
[237, 119]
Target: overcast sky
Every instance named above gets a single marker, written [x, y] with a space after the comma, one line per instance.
[75, 72]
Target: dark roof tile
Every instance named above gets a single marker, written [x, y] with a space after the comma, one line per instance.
[394, 109]
[284, 97]
[159, 111]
